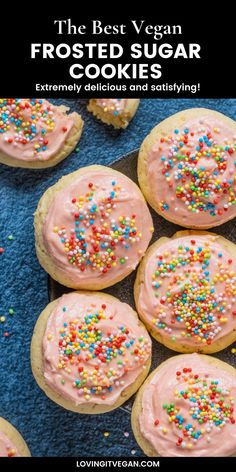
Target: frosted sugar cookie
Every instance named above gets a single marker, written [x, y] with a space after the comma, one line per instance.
[11, 442]
[186, 168]
[186, 408]
[92, 228]
[35, 133]
[185, 291]
[90, 352]
[117, 112]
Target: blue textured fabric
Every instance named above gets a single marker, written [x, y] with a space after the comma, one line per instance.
[48, 429]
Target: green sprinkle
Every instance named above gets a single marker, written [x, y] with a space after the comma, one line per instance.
[122, 260]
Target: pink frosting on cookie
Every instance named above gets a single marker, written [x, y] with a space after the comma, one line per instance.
[188, 409]
[7, 448]
[97, 227]
[188, 292]
[191, 172]
[92, 350]
[32, 129]
[115, 106]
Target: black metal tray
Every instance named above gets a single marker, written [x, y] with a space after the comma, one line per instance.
[124, 289]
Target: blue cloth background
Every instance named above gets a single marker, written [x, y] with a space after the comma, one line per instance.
[48, 429]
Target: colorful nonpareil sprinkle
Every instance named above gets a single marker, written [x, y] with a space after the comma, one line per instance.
[26, 120]
[4, 320]
[102, 356]
[115, 106]
[96, 235]
[12, 453]
[208, 404]
[198, 170]
[197, 298]
[9, 238]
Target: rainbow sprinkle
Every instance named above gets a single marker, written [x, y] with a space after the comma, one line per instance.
[200, 188]
[89, 347]
[11, 453]
[191, 298]
[93, 242]
[26, 120]
[114, 106]
[209, 407]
